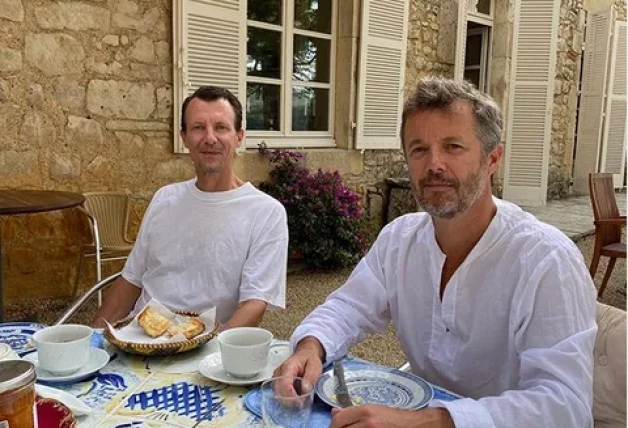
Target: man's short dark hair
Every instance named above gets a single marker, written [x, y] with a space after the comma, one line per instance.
[213, 93]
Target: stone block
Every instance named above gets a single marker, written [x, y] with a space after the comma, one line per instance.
[122, 99]
[98, 167]
[34, 95]
[130, 125]
[10, 60]
[69, 93]
[76, 16]
[127, 7]
[54, 54]
[143, 24]
[143, 50]
[85, 135]
[20, 169]
[177, 169]
[37, 130]
[12, 10]
[164, 103]
[111, 40]
[130, 145]
[64, 168]
[163, 51]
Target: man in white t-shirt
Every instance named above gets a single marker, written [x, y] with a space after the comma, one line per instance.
[211, 241]
[486, 300]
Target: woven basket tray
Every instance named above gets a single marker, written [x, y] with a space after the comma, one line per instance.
[159, 349]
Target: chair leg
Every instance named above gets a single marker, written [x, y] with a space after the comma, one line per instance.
[77, 277]
[607, 275]
[595, 260]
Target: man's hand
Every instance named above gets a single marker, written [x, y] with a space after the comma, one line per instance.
[372, 416]
[306, 362]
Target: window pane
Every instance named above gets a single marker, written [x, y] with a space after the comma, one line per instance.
[473, 76]
[262, 107]
[473, 52]
[313, 15]
[484, 6]
[311, 59]
[264, 11]
[263, 53]
[310, 109]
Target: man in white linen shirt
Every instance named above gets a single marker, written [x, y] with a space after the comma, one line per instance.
[210, 241]
[486, 300]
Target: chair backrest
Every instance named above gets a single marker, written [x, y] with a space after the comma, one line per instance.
[604, 206]
[609, 368]
[111, 211]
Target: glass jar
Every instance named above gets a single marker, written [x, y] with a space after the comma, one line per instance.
[17, 394]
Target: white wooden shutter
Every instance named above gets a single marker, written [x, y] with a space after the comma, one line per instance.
[614, 136]
[383, 40]
[461, 39]
[210, 49]
[529, 123]
[590, 114]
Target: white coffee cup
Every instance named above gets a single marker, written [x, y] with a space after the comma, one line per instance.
[244, 350]
[7, 353]
[63, 349]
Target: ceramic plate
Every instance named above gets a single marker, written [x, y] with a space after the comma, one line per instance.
[98, 358]
[18, 335]
[378, 385]
[211, 367]
[53, 414]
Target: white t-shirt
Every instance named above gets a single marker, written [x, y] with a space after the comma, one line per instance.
[196, 249]
[514, 331]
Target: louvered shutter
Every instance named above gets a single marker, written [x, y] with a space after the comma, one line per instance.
[461, 40]
[531, 100]
[211, 36]
[614, 136]
[383, 42]
[590, 115]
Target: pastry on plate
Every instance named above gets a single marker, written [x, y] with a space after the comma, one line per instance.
[153, 323]
[192, 327]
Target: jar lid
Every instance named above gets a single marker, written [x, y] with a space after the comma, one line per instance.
[16, 374]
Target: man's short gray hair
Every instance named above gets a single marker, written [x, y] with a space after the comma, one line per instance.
[436, 93]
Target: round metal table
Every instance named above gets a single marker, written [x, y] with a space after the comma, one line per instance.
[28, 202]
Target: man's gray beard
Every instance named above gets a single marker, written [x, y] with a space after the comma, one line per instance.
[470, 192]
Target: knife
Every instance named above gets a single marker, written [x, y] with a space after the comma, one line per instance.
[342, 393]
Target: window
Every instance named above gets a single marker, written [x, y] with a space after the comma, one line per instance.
[279, 58]
[290, 72]
[476, 56]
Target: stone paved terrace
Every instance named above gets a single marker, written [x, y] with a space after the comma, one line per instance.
[573, 216]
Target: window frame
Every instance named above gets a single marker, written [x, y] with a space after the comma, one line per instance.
[287, 138]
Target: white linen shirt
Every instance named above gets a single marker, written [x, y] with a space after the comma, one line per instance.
[196, 250]
[514, 331]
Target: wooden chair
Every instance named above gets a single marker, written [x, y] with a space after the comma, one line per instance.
[608, 225]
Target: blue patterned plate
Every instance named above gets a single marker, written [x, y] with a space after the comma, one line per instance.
[378, 385]
[18, 335]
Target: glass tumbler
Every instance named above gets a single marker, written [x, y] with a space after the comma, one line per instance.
[287, 402]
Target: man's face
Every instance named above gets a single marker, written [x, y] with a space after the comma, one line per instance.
[210, 135]
[448, 169]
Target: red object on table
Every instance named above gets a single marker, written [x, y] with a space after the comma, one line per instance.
[53, 414]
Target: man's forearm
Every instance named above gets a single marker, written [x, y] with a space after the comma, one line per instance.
[310, 344]
[119, 301]
[248, 314]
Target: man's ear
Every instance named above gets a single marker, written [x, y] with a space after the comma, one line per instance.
[185, 142]
[240, 135]
[495, 157]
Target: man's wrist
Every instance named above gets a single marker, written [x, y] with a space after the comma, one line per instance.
[311, 344]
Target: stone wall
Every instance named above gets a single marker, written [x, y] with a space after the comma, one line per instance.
[568, 60]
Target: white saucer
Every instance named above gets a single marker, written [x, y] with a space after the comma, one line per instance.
[211, 367]
[98, 358]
